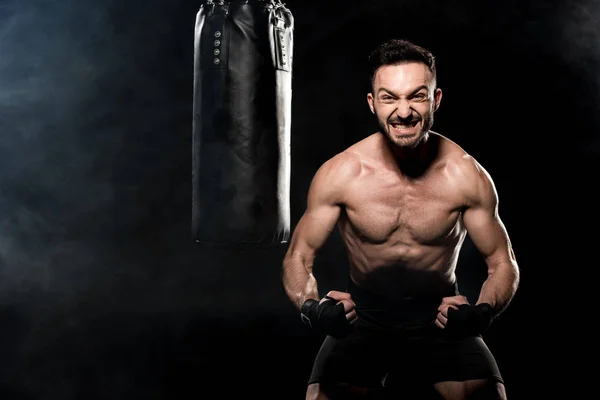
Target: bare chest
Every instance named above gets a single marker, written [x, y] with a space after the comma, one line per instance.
[381, 209]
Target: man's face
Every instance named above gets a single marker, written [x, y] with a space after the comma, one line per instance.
[404, 99]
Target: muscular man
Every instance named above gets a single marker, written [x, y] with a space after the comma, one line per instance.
[404, 199]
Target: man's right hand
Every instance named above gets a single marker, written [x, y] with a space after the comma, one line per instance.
[333, 315]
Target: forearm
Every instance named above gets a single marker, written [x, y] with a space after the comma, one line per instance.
[298, 281]
[500, 286]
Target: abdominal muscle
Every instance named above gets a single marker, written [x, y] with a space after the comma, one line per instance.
[399, 267]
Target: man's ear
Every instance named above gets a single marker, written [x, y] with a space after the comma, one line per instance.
[437, 96]
[370, 101]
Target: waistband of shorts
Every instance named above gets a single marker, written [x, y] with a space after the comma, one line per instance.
[414, 313]
[370, 298]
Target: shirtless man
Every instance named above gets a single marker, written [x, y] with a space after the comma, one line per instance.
[404, 199]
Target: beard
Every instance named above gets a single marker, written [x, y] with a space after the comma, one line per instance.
[408, 141]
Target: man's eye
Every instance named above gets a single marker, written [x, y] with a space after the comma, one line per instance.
[386, 98]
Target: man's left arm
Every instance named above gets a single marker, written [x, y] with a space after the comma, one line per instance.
[490, 237]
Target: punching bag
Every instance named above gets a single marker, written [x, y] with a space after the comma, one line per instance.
[242, 119]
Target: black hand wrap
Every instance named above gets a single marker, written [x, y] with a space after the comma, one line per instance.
[469, 320]
[326, 318]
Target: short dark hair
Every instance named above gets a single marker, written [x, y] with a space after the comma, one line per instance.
[399, 51]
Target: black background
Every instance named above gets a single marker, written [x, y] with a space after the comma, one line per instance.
[104, 294]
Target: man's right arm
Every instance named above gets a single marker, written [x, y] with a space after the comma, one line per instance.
[324, 200]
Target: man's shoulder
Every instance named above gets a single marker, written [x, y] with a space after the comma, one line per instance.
[347, 165]
[461, 167]
[342, 167]
[455, 158]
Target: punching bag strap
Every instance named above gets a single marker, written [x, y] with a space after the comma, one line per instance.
[281, 46]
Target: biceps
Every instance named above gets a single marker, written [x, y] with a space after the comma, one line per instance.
[313, 229]
[487, 232]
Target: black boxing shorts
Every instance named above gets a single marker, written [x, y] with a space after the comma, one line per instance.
[397, 343]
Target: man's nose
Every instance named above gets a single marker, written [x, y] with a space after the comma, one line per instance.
[403, 109]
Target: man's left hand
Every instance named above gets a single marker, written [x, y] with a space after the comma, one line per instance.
[459, 318]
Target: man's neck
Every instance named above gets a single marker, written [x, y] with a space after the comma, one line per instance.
[414, 161]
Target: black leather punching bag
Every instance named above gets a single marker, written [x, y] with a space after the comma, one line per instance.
[242, 120]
